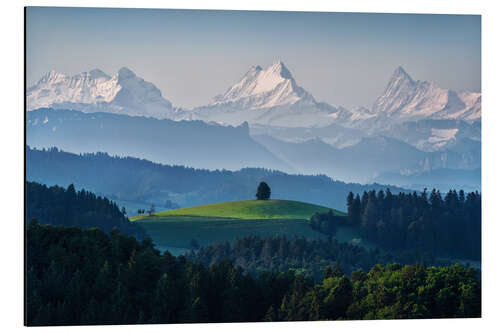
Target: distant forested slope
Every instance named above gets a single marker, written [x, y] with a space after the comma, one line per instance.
[133, 179]
[68, 207]
[440, 179]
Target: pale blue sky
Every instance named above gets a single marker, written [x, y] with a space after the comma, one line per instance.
[191, 56]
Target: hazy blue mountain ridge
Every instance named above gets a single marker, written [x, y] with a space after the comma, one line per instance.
[191, 143]
[138, 180]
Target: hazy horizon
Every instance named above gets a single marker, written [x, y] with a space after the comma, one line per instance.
[192, 55]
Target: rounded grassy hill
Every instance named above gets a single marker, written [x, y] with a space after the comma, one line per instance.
[227, 221]
[246, 209]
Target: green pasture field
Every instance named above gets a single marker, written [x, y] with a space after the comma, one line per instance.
[208, 224]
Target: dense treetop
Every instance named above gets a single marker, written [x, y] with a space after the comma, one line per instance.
[309, 257]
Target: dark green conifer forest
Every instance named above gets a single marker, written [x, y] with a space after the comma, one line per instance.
[308, 257]
[58, 206]
[77, 276]
[447, 227]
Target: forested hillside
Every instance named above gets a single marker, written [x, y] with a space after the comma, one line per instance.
[133, 179]
[77, 276]
[68, 207]
[308, 257]
[449, 226]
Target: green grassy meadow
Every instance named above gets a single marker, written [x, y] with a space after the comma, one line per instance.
[246, 209]
[173, 232]
[208, 224]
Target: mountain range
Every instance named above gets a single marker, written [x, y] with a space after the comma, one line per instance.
[270, 88]
[413, 127]
[268, 97]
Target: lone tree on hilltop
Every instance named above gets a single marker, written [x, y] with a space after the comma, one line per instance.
[263, 191]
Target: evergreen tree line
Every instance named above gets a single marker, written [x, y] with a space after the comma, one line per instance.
[309, 257]
[449, 226]
[58, 206]
[77, 276]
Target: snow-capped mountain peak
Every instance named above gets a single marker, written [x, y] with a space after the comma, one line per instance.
[86, 87]
[400, 74]
[265, 88]
[265, 96]
[406, 99]
[280, 69]
[400, 81]
[95, 91]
